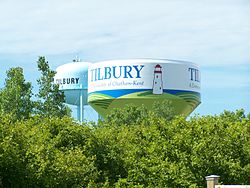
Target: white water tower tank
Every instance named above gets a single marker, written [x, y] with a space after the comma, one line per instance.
[73, 80]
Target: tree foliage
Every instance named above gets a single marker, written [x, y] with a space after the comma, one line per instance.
[15, 97]
[146, 152]
[45, 153]
[133, 115]
[51, 99]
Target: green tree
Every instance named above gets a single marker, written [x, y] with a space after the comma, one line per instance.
[51, 99]
[176, 153]
[15, 97]
[134, 115]
[46, 152]
[163, 109]
[129, 115]
[58, 152]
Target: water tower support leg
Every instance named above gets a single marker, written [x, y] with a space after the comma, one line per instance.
[78, 113]
[81, 107]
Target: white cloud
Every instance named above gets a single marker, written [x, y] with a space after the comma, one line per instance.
[208, 32]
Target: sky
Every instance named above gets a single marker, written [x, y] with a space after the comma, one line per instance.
[215, 34]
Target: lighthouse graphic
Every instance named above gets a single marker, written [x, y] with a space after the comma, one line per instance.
[157, 82]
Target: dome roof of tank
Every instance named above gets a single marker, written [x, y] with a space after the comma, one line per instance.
[73, 67]
[148, 60]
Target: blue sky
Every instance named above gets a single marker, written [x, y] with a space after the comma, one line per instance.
[212, 33]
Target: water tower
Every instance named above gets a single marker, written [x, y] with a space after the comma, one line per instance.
[73, 80]
[115, 83]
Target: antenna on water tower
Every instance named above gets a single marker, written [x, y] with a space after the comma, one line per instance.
[77, 59]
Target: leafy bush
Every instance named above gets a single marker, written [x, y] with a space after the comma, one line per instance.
[132, 148]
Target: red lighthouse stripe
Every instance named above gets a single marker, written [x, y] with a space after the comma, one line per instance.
[157, 72]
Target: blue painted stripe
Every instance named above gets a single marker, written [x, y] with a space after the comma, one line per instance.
[121, 92]
[173, 91]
